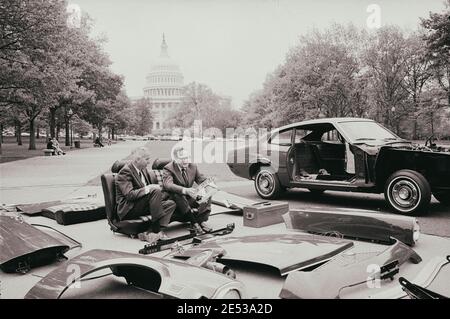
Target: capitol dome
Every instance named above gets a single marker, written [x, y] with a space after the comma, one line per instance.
[164, 89]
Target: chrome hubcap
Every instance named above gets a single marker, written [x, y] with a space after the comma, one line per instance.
[405, 194]
[266, 183]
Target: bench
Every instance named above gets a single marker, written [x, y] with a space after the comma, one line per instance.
[49, 152]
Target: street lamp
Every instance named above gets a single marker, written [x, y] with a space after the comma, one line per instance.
[70, 127]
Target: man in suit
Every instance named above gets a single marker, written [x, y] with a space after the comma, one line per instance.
[178, 179]
[137, 197]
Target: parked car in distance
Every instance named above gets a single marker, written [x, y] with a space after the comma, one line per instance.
[346, 154]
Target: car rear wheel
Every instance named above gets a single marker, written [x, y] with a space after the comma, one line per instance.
[267, 184]
[408, 192]
[443, 197]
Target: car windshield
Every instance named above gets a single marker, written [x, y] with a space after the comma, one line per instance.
[367, 131]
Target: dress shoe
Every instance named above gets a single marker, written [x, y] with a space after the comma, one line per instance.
[149, 237]
[163, 236]
[197, 229]
[205, 227]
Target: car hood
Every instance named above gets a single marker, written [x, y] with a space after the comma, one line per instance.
[285, 252]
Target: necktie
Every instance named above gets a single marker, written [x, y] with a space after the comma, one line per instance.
[142, 178]
[183, 173]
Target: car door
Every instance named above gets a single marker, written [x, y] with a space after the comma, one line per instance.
[279, 144]
[292, 163]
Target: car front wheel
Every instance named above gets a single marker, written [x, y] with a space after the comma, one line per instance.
[443, 197]
[267, 184]
[408, 192]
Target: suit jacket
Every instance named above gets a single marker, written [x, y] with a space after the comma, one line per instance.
[173, 180]
[129, 188]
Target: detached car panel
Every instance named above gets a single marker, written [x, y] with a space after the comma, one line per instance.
[347, 270]
[167, 278]
[355, 224]
[284, 252]
[23, 246]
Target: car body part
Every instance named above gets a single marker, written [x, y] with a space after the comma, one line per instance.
[347, 270]
[345, 154]
[169, 278]
[425, 278]
[36, 208]
[417, 292]
[25, 246]
[355, 224]
[75, 213]
[184, 240]
[208, 259]
[284, 252]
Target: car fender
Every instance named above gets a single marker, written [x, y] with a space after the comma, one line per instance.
[256, 163]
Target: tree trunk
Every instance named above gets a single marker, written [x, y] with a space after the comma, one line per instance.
[67, 128]
[1, 137]
[52, 122]
[32, 145]
[100, 128]
[112, 134]
[37, 131]
[109, 133]
[19, 134]
[58, 129]
[414, 137]
[432, 123]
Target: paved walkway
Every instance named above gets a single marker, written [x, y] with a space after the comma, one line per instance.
[49, 178]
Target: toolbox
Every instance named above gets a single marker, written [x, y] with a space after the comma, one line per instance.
[265, 213]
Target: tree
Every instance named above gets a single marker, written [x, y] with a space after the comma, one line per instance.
[417, 74]
[386, 57]
[47, 66]
[319, 78]
[438, 44]
[120, 115]
[143, 117]
[31, 71]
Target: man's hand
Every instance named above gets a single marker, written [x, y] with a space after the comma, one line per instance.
[191, 192]
[148, 188]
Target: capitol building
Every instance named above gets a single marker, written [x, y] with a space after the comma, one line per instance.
[164, 89]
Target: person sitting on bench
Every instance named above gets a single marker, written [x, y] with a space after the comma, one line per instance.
[54, 144]
[98, 142]
[178, 178]
[50, 146]
[136, 197]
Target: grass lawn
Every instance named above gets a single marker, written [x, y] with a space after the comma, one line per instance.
[13, 152]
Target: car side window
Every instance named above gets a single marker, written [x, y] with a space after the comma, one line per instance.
[300, 134]
[281, 138]
[332, 136]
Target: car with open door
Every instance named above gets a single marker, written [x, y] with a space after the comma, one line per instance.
[346, 154]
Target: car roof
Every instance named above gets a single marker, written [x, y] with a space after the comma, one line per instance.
[331, 120]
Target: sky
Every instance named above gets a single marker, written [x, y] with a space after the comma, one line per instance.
[229, 45]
